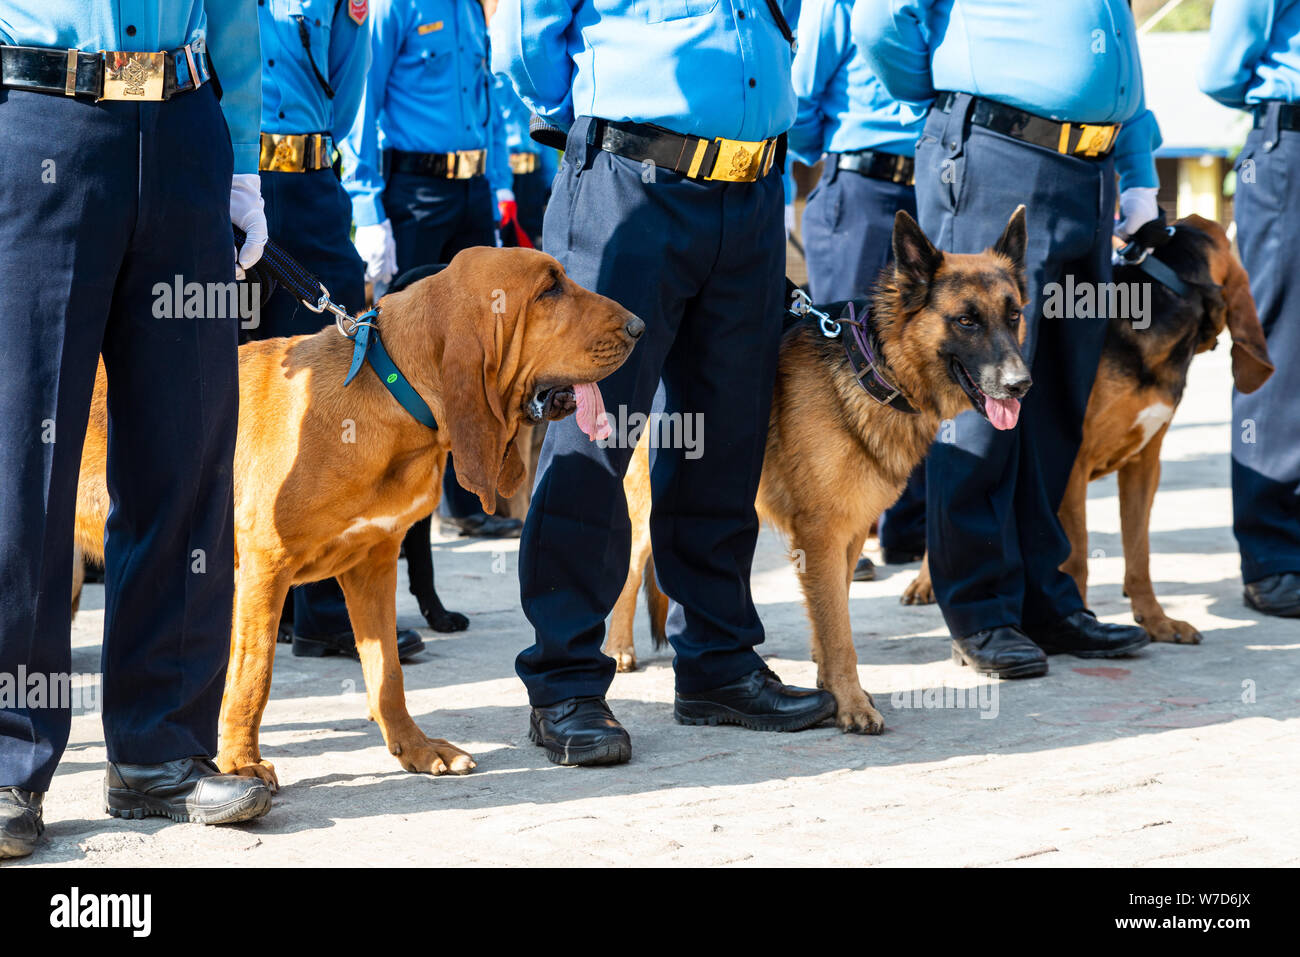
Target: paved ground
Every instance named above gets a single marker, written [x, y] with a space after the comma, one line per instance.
[1187, 755]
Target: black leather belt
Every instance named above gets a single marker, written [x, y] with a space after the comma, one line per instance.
[876, 165]
[1288, 116]
[295, 152]
[1090, 140]
[462, 164]
[104, 74]
[732, 161]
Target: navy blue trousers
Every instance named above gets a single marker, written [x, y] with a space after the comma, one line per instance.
[102, 203]
[702, 264]
[848, 228]
[994, 539]
[433, 219]
[309, 214]
[532, 190]
[1266, 424]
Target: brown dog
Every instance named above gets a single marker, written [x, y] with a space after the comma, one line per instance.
[949, 333]
[1140, 382]
[328, 478]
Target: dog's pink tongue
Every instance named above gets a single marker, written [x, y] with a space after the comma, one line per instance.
[1002, 413]
[591, 411]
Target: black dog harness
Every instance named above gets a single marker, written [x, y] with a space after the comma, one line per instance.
[861, 346]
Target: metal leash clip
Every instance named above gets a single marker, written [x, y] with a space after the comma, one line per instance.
[801, 305]
[342, 318]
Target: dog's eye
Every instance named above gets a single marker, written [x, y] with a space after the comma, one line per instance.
[1014, 319]
[966, 322]
[553, 288]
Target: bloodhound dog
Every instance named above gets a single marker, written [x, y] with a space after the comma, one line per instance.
[329, 477]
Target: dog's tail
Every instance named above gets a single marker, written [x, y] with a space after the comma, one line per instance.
[92, 485]
[656, 603]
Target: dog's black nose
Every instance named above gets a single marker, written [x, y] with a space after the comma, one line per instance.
[1018, 385]
[635, 326]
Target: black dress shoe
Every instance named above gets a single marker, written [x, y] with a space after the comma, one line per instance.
[190, 789]
[1004, 652]
[1276, 595]
[865, 570]
[1083, 636]
[580, 731]
[483, 526]
[409, 644]
[21, 821]
[758, 701]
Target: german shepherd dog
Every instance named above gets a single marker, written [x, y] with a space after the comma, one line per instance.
[948, 335]
[1140, 381]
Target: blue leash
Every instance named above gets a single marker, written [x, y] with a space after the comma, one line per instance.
[366, 345]
[311, 292]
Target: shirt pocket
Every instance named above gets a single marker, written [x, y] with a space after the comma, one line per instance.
[659, 11]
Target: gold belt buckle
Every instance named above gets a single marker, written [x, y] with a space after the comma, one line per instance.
[283, 152]
[1095, 140]
[738, 160]
[133, 76]
[466, 164]
[522, 164]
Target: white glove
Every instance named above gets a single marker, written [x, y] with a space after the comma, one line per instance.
[247, 213]
[1137, 207]
[377, 248]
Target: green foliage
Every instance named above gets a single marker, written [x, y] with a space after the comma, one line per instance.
[1189, 15]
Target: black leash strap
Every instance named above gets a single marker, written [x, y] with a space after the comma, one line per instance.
[779, 17]
[305, 38]
[286, 271]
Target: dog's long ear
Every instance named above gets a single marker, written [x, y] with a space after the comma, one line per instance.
[481, 431]
[1012, 244]
[1251, 365]
[915, 261]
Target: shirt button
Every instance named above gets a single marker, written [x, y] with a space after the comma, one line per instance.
[130, 31]
[753, 82]
[740, 14]
[270, 63]
[282, 114]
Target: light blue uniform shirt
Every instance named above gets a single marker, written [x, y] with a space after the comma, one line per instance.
[293, 101]
[843, 106]
[227, 27]
[703, 67]
[1254, 52]
[428, 90]
[1069, 60]
[514, 119]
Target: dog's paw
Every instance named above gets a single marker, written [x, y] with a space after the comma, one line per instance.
[856, 713]
[250, 767]
[1171, 630]
[624, 660]
[919, 592]
[431, 755]
[447, 621]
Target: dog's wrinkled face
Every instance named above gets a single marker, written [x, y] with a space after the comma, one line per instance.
[520, 342]
[559, 313]
[964, 313]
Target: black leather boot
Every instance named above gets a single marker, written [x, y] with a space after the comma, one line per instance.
[21, 821]
[580, 731]
[1004, 652]
[758, 701]
[1275, 595]
[409, 644]
[190, 789]
[1083, 636]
